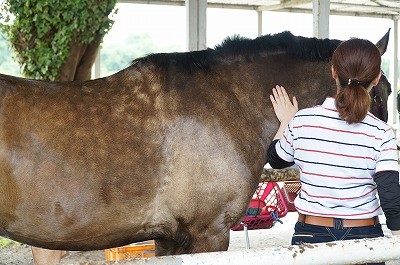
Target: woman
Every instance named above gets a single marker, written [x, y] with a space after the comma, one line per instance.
[345, 155]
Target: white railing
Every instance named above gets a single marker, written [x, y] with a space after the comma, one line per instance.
[338, 252]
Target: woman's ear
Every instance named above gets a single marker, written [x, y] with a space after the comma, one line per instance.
[334, 74]
[376, 80]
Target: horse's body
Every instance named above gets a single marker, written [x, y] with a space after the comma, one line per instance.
[170, 148]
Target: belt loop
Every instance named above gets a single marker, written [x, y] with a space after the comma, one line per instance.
[337, 223]
[376, 220]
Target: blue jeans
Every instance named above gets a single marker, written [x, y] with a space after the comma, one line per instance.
[306, 233]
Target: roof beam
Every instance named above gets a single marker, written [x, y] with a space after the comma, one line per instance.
[339, 13]
[288, 4]
[378, 11]
[361, 6]
[151, 2]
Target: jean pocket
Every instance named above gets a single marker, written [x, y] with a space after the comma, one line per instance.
[306, 233]
[298, 239]
[302, 235]
[365, 232]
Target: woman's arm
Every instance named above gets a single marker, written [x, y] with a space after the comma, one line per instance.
[389, 196]
[274, 160]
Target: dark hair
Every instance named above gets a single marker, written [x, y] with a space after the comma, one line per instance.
[357, 63]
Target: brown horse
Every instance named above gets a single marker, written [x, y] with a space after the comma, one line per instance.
[170, 148]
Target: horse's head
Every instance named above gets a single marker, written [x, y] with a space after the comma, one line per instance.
[380, 93]
[379, 97]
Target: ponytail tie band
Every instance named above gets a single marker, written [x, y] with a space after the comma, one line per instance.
[343, 83]
[353, 81]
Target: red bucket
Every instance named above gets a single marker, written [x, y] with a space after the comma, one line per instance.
[267, 200]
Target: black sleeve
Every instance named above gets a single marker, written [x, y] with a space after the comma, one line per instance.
[389, 196]
[274, 160]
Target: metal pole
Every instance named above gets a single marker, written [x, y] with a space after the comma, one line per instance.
[246, 234]
[321, 10]
[196, 19]
[259, 23]
[395, 64]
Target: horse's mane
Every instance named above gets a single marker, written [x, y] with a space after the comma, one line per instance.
[311, 49]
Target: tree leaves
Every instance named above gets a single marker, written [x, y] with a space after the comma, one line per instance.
[43, 31]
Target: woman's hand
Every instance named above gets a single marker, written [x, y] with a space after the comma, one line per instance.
[283, 107]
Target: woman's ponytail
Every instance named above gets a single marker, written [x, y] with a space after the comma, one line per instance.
[353, 102]
[356, 63]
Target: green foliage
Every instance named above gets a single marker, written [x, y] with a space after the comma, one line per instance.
[42, 31]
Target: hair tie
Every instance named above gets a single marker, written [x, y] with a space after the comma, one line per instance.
[353, 81]
[343, 83]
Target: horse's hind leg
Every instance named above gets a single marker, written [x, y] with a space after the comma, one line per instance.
[195, 243]
[165, 247]
[207, 242]
[180, 243]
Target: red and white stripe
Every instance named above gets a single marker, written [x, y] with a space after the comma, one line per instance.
[337, 161]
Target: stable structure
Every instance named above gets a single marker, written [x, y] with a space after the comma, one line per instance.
[321, 10]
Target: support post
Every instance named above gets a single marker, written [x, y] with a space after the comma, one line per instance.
[97, 64]
[196, 25]
[395, 64]
[321, 10]
[259, 23]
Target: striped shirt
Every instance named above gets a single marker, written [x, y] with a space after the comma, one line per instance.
[337, 161]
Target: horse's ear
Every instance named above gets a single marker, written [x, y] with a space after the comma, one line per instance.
[383, 43]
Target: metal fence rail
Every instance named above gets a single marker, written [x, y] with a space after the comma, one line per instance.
[335, 253]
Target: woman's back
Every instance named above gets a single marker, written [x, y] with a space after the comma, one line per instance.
[346, 156]
[337, 161]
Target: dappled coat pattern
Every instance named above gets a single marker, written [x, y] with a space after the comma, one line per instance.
[170, 148]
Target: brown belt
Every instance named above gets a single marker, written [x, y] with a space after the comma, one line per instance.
[329, 221]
